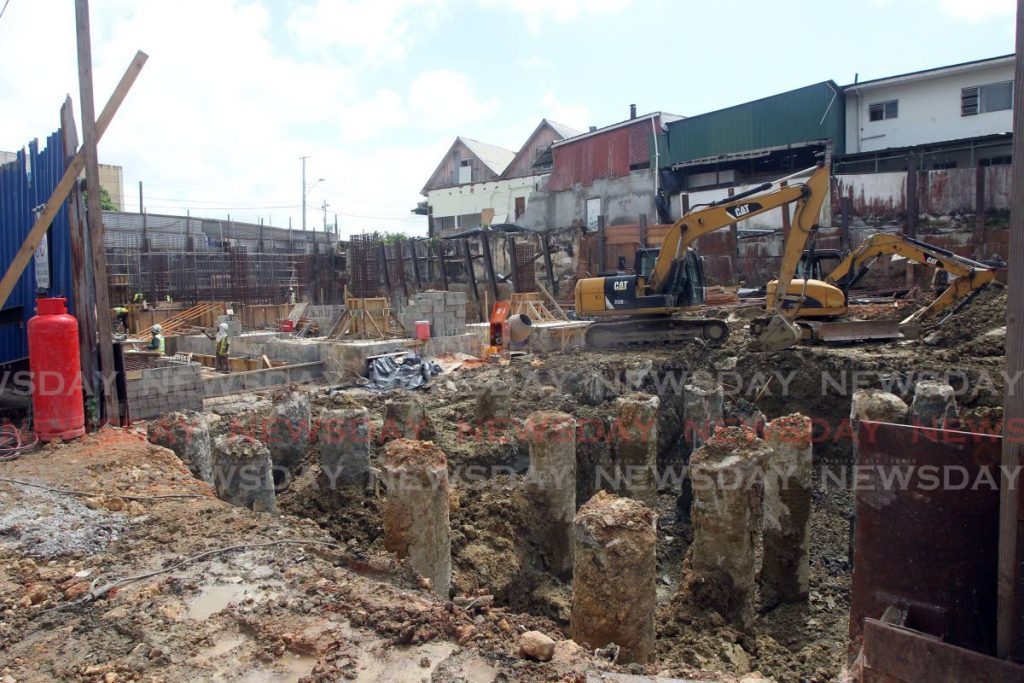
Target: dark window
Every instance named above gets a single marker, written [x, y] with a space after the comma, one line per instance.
[980, 99]
[995, 161]
[520, 206]
[942, 165]
[879, 111]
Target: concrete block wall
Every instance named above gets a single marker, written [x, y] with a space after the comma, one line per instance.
[167, 388]
[446, 312]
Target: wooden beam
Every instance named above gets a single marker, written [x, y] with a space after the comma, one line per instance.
[94, 215]
[471, 279]
[443, 263]
[545, 243]
[1010, 611]
[485, 249]
[510, 245]
[415, 264]
[83, 293]
[60, 193]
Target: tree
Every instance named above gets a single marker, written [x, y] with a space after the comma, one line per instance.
[106, 203]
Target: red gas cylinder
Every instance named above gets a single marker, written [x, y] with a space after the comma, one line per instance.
[53, 357]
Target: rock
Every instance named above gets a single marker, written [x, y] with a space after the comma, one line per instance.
[76, 590]
[738, 657]
[114, 504]
[155, 653]
[465, 633]
[37, 593]
[536, 645]
[110, 678]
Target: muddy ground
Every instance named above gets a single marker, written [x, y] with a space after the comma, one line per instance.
[320, 612]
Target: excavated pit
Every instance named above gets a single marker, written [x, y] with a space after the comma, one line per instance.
[477, 418]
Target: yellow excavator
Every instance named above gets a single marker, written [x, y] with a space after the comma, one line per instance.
[813, 300]
[640, 309]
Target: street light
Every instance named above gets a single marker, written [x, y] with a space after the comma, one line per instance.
[305, 190]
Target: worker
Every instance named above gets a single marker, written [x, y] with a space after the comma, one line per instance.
[168, 299]
[157, 343]
[221, 347]
[138, 298]
[121, 314]
[291, 295]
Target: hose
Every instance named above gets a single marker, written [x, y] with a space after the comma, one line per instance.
[12, 444]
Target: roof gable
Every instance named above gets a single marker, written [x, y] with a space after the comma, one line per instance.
[545, 133]
[494, 160]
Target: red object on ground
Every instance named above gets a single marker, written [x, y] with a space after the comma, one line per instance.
[423, 330]
[57, 405]
[287, 325]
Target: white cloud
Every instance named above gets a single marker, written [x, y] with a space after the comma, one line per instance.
[573, 115]
[538, 13]
[364, 120]
[446, 98]
[978, 10]
[379, 30]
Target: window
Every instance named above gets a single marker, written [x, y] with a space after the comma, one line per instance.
[465, 171]
[593, 211]
[980, 99]
[883, 110]
[995, 161]
[520, 206]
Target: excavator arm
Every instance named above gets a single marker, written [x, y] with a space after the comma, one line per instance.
[778, 331]
[808, 194]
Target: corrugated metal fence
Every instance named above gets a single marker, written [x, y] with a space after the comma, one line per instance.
[25, 184]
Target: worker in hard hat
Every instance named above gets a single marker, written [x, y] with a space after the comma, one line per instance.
[138, 298]
[291, 295]
[221, 347]
[157, 343]
[121, 315]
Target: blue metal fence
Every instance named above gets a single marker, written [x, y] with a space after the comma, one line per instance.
[25, 184]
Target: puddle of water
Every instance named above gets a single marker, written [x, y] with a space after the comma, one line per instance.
[215, 598]
[288, 669]
[221, 647]
[402, 664]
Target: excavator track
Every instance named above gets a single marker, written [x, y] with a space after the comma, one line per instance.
[638, 332]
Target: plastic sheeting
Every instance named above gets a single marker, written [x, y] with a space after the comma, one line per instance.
[411, 373]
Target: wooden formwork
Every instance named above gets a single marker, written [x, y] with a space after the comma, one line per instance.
[537, 307]
[367, 318]
[203, 314]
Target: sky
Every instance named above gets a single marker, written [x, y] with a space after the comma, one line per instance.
[374, 92]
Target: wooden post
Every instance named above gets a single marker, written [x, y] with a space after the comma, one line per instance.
[485, 249]
[979, 213]
[844, 226]
[643, 230]
[912, 206]
[471, 278]
[400, 267]
[601, 247]
[67, 181]
[415, 265]
[1010, 614]
[84, 291]
[93, 214]
[442, 263]
[545, 242]
[510, 245]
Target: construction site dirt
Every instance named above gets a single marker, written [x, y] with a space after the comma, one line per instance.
[312, 594]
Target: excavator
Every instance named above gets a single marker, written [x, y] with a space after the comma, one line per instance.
[640, 309]
[811, 301]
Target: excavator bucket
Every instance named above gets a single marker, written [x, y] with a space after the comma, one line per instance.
[857, 330]
[777, 334]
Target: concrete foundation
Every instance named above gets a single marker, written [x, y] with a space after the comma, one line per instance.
[718, 571]
[613, 577]
[785, 570]
[551, 487]
[635, 447]
[243, 473]
[288, 432]
[405, 418]
[344, 438]
[416, 521]
[166, 388]
[934, 405]
[188, 436]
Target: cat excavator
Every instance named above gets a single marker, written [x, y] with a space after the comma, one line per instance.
[815, 305]
[639, 309]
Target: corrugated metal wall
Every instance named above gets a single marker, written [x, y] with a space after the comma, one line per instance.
[26, 184]
[815, 112]
[606, 155]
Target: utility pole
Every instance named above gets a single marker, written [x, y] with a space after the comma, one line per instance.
[141, 210]
[304, 192]
[325, 215]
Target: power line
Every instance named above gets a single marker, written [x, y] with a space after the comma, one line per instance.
[6, 3]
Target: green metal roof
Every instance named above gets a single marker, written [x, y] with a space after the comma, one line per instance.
[814, 112]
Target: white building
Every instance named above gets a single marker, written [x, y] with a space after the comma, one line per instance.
[963, 102]
[475, 177]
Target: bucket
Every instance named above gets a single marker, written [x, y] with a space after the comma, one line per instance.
[423, 330]
[287, 325]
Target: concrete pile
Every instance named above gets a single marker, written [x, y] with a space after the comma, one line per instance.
[614, 568]
[445, 311]
[344, 438]
[635, 447]
[189, 437]
[718, 573]
[288, 430]
[405, 417]
[416, 523]
[551, 487]
[243, 473]
[934, 405]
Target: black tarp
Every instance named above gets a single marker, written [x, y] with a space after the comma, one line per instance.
[412, 372]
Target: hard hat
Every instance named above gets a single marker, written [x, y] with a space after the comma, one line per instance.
[224, 327]
[156, 328]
